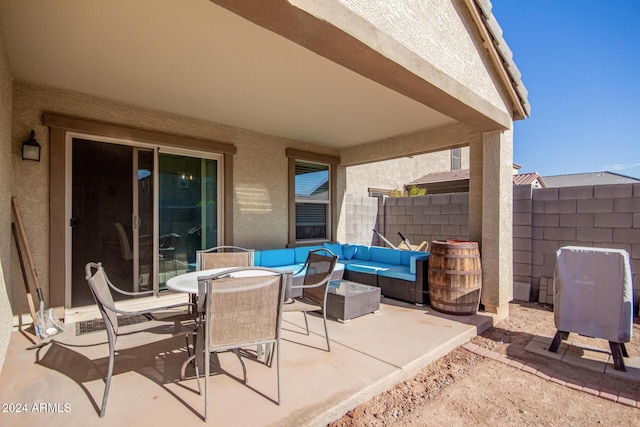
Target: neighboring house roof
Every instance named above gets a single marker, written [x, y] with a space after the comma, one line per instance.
[438, 177]
[452, 181]
[589, 178]
[458, 180]
[531, 178]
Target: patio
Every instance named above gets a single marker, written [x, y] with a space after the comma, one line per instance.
[369, 354]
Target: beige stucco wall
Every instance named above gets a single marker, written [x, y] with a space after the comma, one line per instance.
[435, 30]
[443, 50]
[412, 144]
[496, 239]
[394, 174]
[260, 168]
[439, 32]
[389, 151]
[5, 198]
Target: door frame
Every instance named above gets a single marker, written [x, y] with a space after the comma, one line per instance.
[69, 137]
[59, 125]
[156, 150]
[220, 189]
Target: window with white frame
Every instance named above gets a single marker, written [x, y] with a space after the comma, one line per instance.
[312, 201]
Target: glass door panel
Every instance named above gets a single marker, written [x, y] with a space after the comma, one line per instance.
[143, 214]
[188, 211]
[95, 214]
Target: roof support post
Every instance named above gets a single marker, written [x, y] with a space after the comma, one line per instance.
[490, 216]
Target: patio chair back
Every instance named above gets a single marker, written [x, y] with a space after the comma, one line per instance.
[242, 312]
[99, 285]
[224, 256]
[320, 267]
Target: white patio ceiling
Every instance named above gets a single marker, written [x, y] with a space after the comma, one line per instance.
[198, 59]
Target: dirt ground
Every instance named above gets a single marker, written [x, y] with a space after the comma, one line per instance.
[464, 389]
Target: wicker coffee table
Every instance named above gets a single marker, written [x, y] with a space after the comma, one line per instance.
[347, 300]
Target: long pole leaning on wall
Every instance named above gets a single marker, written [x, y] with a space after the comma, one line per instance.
[45, 322]
[32, 307]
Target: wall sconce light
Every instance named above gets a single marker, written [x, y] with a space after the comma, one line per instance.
[31, 148]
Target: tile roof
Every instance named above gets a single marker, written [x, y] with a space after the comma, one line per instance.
[498, 47]
[442, 177]
[528, 179]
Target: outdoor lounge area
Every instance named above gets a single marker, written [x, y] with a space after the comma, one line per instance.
[401, 274]
[368, 355]
[226, 162]
[248, 137]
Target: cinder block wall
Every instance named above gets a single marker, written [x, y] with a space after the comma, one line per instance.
[361, 216]
[606, 216]
[423, 218]
[544, 219]
[522, 242]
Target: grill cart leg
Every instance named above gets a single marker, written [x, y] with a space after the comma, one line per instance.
[617, 351]
[557, 339]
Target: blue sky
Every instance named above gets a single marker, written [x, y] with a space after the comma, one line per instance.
[580, 62]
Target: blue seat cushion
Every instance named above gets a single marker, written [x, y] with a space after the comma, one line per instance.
[369, 267]
[362, 253]
[398, 272]
[302, 252]
[291, 267]
[386, 255]
[276, 257]
[335, 248]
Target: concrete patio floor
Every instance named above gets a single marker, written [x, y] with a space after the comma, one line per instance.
[61, 384]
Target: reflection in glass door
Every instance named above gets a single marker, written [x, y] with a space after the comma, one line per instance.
[188, 211]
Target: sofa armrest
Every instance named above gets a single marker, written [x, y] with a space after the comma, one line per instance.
[422, 287]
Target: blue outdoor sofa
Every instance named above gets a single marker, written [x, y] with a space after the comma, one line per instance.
[399, 274]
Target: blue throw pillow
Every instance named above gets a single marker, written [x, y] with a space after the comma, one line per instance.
[348, 251]
[336, 248]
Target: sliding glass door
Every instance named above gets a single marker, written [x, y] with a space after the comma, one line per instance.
[188, 211]
[140, 210]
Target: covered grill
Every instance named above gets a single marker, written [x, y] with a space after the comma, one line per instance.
[593, 296]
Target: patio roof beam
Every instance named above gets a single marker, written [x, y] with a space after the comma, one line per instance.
[432, 140]
[424, 82]
[54, 120]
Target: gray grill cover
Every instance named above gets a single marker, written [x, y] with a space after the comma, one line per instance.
[593, 293]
